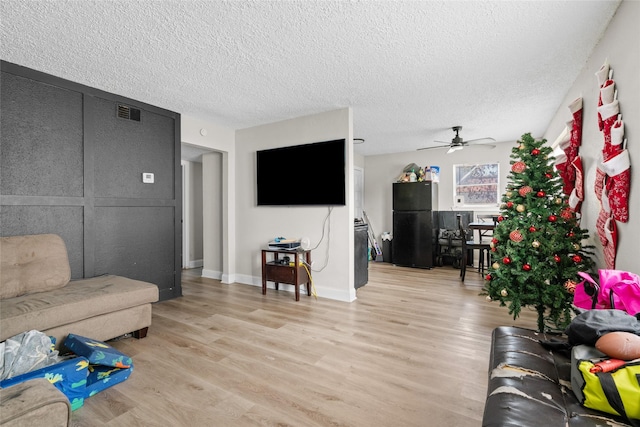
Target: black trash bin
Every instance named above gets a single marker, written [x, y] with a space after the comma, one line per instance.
[387, 255]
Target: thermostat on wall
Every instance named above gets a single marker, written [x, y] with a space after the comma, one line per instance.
[147, 178]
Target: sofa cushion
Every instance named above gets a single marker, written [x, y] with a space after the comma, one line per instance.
[35, 402]
[79, 300]
[530, 384]
[32, 264]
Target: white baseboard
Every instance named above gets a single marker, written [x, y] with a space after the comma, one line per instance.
[196, 263]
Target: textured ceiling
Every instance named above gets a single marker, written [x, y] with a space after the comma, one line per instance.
[409, 69]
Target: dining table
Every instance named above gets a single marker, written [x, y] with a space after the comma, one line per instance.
[484, 228]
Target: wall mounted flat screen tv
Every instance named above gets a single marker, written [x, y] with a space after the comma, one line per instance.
[299, 175]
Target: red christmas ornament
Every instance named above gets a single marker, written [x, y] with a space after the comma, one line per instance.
[548, 175]
[541, 193]
[535, 152]
[566, 213]
[494, 249]
[576, 258]
[516, 236]
[526, 267]
[487, 277]
[500, 218]
[506, 260]
[494, 240]
[518, 167]
[509, 205]
[532, 229]
[553, 218]
[570, 234]
[525, 190]
[557, 258]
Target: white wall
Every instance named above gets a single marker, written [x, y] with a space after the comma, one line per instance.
[258, 225]
[382, 171]
[218, 189]
[192, 207]
[620, 45]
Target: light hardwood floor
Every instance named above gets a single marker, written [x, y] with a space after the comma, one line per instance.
[412, 350]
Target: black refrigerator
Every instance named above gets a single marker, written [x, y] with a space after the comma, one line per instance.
[414, 204]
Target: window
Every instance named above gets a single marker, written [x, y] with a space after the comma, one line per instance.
[476, 185]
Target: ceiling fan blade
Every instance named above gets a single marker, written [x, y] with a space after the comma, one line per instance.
[453, 148]
[480, 140]
[429, 148]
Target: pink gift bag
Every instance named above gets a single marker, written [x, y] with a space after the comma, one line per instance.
[616, 289]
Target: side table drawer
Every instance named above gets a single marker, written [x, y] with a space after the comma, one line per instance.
[281, 273]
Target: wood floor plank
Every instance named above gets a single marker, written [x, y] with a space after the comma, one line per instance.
[412, 350]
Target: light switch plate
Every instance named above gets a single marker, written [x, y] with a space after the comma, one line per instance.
[147, 178]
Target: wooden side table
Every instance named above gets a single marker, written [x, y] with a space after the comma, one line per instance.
[292, 272]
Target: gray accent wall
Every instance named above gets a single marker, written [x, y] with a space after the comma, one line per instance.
[70, 166]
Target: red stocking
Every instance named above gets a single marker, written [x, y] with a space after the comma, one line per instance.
[599, 185]
[610, 249]
[609, 113]
[602, 75]
[563, 163]
[576, 129]
[600, 226]
[618, 169]
[603, 216]
[577, 195]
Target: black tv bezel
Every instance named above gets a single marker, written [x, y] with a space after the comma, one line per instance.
[303, 159]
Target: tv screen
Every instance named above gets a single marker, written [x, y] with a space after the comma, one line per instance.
[309, 174]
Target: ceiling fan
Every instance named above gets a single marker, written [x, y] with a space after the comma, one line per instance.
[458, 143]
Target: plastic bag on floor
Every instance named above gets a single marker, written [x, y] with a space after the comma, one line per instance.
[26, 352]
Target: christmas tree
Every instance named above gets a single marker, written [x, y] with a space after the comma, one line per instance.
[537, 244]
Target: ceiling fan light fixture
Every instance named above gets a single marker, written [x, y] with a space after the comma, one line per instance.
[454, 148]
[358, 140]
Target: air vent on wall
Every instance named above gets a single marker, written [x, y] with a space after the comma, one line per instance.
[128, 113]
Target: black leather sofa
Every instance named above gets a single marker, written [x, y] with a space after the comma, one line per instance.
[530, 385]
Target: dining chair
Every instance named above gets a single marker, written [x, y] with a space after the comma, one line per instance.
[469, 245]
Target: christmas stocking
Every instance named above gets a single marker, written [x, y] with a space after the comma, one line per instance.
[610, 249]
[602, 75]
[576, 129]
[562, 162]
[607, 92]
[577, 195]
[603, 216]
[599, 185]
[609, 113]
[618, 169]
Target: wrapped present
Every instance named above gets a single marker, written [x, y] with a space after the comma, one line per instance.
[107, 366]
[97, 352]
[102, 377]
[69, 376]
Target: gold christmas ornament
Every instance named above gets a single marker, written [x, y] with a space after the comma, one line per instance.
[520, 208]
[488, 298]
[504, 293]
[576, 246]
[495, 265]
[509, 194]
[558, 201]
[535, 244]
